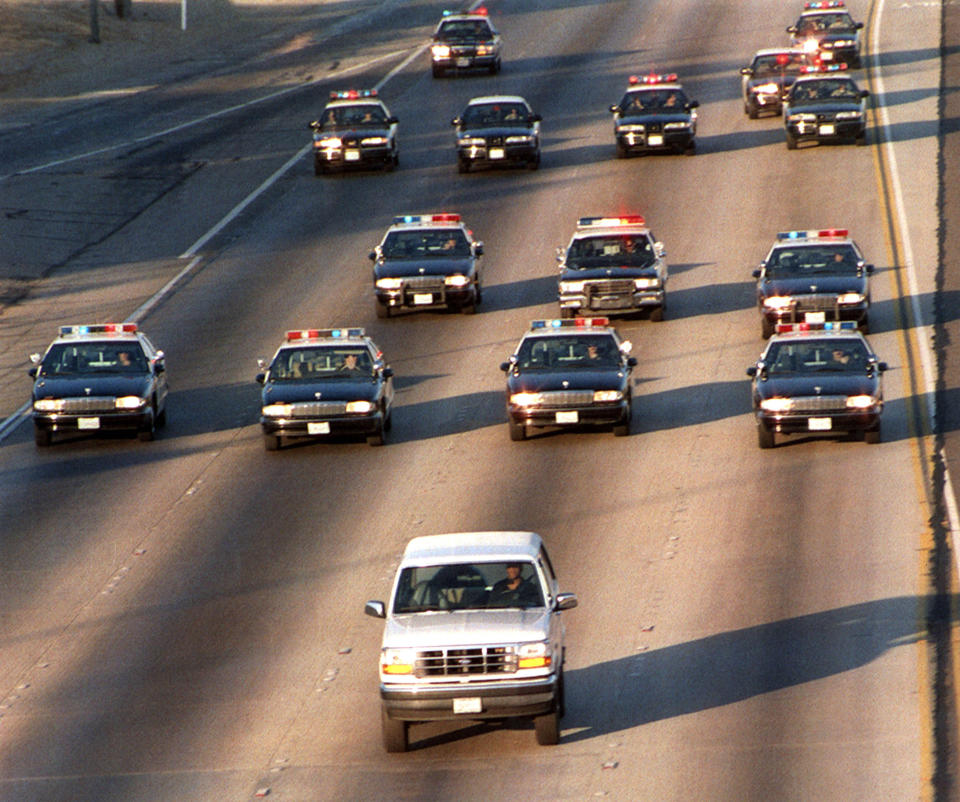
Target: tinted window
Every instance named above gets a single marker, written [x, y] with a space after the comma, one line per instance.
[799, 262]
[621, 250]
[468, 586]
[588, 352]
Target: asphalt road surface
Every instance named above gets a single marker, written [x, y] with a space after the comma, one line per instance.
[183, 619]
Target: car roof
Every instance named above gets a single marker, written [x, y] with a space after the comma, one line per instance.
[653, 87]
[497, 99]
[79, 333]
[489, 546]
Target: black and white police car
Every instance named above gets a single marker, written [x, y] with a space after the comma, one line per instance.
[355, 131]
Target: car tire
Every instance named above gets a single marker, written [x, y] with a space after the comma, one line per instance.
[518, 431]
[383, 310]
[42, 437]
[534, 163]
[477, 293]
[622, 152]
[691, 149]
[162, 418]
[377, 438]
[271, 442]
[469, 308]
[547, 728]
[872, 436]
[765, 436]
[395, 733]
[656, 314]
[622, 429]
[319, 168]
[752, 111]
[149, 433]
[437, 71]
[495, 67]
[791, 142]
[766, 328]
[561, 697]
[463, 166]
[862, 139]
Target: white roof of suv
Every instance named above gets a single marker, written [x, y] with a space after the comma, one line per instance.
[474, 546]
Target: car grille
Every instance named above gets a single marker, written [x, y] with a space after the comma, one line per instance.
[654, 128]
[826, 117]
[495, 141]
[820, 403]
[74, 406]
[816, 303]
[464, 50]
[566, 398]
[425, 283]
[465, 661]
[610, 286]
[319, 409]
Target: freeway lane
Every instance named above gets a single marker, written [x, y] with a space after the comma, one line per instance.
[183, 619]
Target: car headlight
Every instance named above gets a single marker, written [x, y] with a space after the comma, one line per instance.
[778, 302]
[601, 396]
[861, 401]
[765, 89]
[361, 407]
[848, 115]
[675, 126]
[398, 661]
[277, 410]
[811, 46]
[534, 655]
[520, 140]
[129, 402]
[484, 50]
[374, 140]
[776, 404]
[844, 43]
[571, 286]
[802, 118]
[525, 399]
[389, 283]
[441, 51]
[646, 283]
[48, 404]
[329, 142]
[471, 142]
[850, 298]
[630, 127]
[456, 280]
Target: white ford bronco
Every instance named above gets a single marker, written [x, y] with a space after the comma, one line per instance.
[473, 631]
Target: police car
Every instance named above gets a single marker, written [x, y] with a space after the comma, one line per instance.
[765, 82]
[101, 377]
[427, 261]
[817, 379]
[612, 265]
[497, 130]
[813, 276]
[464, 41]
[655, 114]
[356, 130]
[827, 106]
[323, 383]
[569, 373]
[826, 29]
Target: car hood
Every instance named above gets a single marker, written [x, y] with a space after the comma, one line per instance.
[396, 268]
[336, 390]
[535, 381]
[625, 271]
[353, 133]
[850, 36]
[823, 284]
[783, 81]
[498, 130]
[466, 628]
[680, 116]
[102, 385]
[806, 384]
[823, 106]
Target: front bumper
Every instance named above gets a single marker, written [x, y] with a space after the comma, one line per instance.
[323, 427]
[494, 155]
[857, 312]
[820, 422]
[826, 131]
[838, 55]
[352, 157]
[463, 61]
[498, 699]
[640, 141]
[428, 298]
[600, 301]
[94, 422]
[607, 414]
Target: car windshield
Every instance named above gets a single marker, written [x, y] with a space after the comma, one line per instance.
[780, 64]
[321, 363]
[581, 352]
[815, 91]
[816, 356]
[797, 262]
[364, 115]
[465, 29]
[621, 250]
[468, 586]
[823, 24]
[83, 359]
[426, 243]
[480, 115]
[646, 101]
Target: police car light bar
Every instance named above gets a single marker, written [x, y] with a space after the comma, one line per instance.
[352, 94]
[98, 328]
[623, 220]
[820, 4]
[572, 323]
[814, 234]
[653, 78]
[822, 67]
[830, 325]
[447, 217]
[321, 334]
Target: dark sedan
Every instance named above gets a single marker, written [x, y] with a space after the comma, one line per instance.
[817, 381]
[355, 131]
[655, 114]
[828, 108]
[497, 130]
[769, 77]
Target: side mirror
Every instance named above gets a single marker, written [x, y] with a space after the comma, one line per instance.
[756, 273]
[746, 71]
[372, 256]
[392, 120]
[858, 26]
[882, 366]
[632, 362]
[375, 609]
[505, 366]
[478, 249]
[534, 118]
[864, 93]
[868, 268]
[314, 125]
[386, 373]
[792, 29]
[456, 121]
[614, 108]
[693, 104]
[260, 378]
[158, 364]
[32, 372]
[752, 371]
[566, 601]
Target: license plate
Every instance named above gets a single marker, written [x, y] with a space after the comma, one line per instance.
[471, 704]
[463, 62]
[829, 129]
[655, 139]
[568, 417]
[497, 153]
[88, 423]
[318, 427]
[819, 424]
[351, 155]
[423, 298]
[826, 55]
[815, 317]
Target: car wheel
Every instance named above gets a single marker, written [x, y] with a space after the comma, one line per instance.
[437, 71]
[656, 314]
[271, 442]
[561, 697]
[469, 308]
[495, 67]
[478, 293]
[548, 728]
[42, 437]
[377, 438]
[518, 431]
[463, 166]
[395, 733]
[319, 168]
[390, 164]
[534, 163]
[622, 152]
[864, 325]
[766, 328]
[147, 434]
[791, 142]
[162, 418]
[691, 149]
[862, 139]
[383, 310]
[765, 436]
[752, 111]
[622, 429]
[872, 436]
[388, 422]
